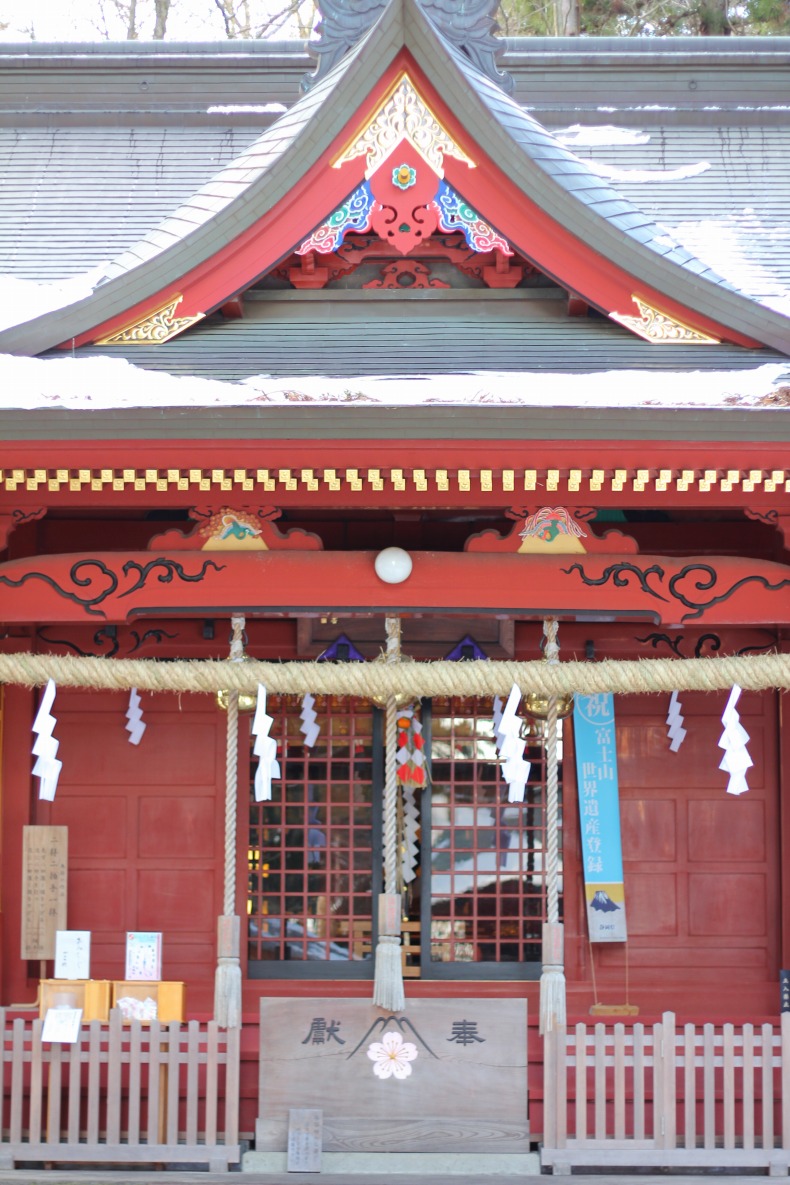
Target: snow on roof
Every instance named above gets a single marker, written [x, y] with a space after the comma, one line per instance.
[612, 173]
[727, 245]
[247, 108]
[101, 382]
[22, 300]
[602, 136]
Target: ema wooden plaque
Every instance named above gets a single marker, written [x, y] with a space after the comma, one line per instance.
[44, 870]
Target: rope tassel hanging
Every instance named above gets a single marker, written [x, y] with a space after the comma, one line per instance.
[227, 980]
[388, 980]
[552, 979]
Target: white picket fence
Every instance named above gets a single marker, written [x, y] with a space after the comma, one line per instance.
[123, 1093]
[702, 1096]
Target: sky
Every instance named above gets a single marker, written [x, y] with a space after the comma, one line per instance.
[97, 20]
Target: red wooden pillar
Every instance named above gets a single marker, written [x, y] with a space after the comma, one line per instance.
[18, 712]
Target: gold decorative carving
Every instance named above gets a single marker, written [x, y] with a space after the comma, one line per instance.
[157, 326]
[659, 328]
[404, 115]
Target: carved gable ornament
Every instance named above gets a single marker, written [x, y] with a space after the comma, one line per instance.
[404, 198]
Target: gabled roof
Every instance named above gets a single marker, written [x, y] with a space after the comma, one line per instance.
[547, 200]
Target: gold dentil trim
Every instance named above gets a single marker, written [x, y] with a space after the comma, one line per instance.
[363, 482]
[404, 115]
[157, 326]
[661, 329]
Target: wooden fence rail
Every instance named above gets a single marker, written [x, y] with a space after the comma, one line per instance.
[704, 1096]
[123, 1092]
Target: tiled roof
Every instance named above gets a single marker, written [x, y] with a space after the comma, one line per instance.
[160, 197]
[319, 333]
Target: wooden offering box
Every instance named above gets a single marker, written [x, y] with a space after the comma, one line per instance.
[91, 995]
[169, 996]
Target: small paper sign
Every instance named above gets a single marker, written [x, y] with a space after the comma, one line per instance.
[305, 1135]
[72, 954]
[784, 991]
[143, 955]
[62, 1025]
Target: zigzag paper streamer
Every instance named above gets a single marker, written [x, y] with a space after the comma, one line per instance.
[733, 741]
[675, 730]
[265, 749]
[135, 725]
[45, 747]
[309, 727]
[411, 826]
[515, 770]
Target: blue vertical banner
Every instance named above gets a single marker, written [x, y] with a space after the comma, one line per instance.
[599, 816]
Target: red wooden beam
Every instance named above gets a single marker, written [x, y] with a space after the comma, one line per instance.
[118, 586]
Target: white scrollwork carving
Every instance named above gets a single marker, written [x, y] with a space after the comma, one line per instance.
[404, 115]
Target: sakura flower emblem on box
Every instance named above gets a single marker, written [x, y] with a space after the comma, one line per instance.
[392, 1056]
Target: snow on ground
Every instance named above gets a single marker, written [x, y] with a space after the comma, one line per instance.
[102, 382]
[22, 300]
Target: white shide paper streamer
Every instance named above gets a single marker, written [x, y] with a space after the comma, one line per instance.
[45, 747]
[733, 741]
[265, 749]
[675, 730]
[309, 727]
[515, 770]
[135, 725]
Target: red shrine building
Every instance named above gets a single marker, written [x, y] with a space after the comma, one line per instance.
[562, 398]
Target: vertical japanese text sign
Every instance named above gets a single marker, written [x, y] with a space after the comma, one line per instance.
[44, 872]
[599, 816]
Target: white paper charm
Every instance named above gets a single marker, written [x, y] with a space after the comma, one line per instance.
[45, 747]
[675, 730]
[515, 770]
[135, 725]
[733, 741]
[265, 749]
[309, 727]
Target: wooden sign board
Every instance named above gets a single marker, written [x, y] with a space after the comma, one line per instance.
[443, 1076]
[304, 1140]
[44, 872]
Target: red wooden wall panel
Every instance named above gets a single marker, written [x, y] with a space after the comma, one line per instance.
[146, 826]
[702, 868]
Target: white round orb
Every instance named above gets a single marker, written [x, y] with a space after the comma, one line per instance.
[393, 565]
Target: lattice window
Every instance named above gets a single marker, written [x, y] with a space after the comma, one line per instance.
[487, 895]
[311, 859]
[478, 902]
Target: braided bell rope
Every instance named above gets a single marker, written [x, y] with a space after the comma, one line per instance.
[232, 774]
[551, 653]
[753, 672]
[393, 628]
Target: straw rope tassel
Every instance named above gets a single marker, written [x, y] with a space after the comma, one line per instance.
[227, 981]
[388, 982]
[552, 979]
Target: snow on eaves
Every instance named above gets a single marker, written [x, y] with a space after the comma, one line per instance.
[101, 382]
